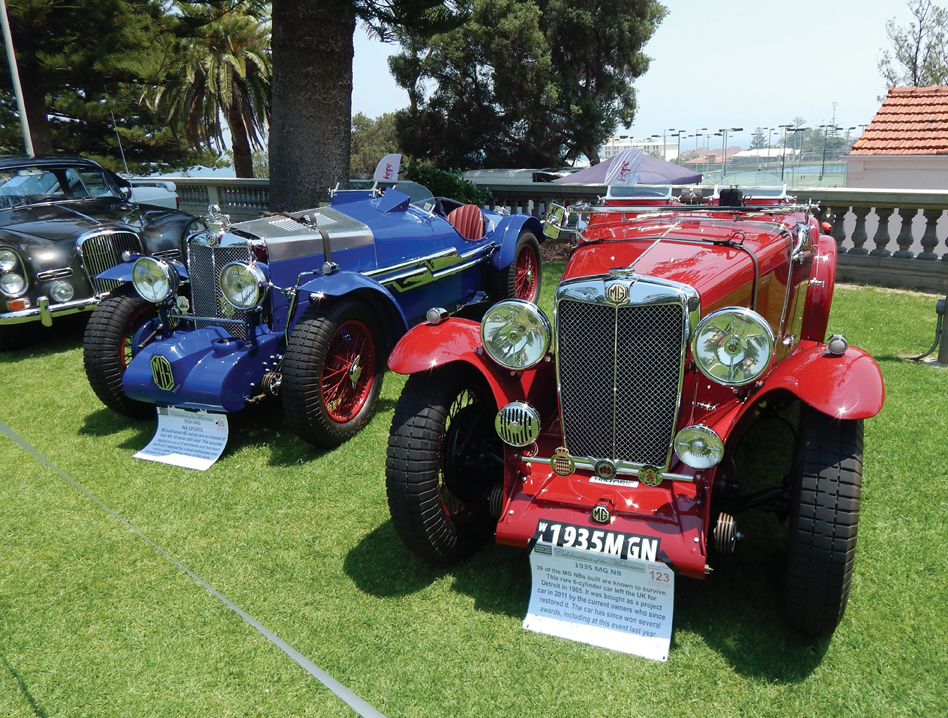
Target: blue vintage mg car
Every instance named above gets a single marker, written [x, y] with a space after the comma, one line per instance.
[304, 305]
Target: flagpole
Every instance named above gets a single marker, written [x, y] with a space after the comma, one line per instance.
[15, 74]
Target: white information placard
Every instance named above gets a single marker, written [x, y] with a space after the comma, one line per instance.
[622, 604]
[192, 439]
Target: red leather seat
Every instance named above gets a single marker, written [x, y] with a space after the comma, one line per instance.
[468, 221]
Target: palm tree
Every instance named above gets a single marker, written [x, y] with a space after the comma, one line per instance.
[225, 79]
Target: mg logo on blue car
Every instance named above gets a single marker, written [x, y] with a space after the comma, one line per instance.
[161, 373]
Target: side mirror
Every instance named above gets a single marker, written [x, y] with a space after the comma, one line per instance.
[555, 221]
[559, 219]
[800, 242]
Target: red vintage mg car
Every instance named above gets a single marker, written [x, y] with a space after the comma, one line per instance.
[615, 427]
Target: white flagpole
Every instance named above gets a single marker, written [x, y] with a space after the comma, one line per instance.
[15, 74]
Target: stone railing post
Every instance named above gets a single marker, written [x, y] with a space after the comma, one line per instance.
[860, 237]
[929, 238]
[839, 227]
[881, 237]
[904, 240]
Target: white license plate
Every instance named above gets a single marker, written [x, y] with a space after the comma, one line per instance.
[615, 543]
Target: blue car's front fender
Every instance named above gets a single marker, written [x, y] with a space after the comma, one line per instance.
[342, 283]
[507, 234]
[210, 369]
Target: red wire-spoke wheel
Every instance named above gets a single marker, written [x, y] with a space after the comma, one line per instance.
[346, 382]
[521, 278]
[444, 462]
[332, 371]
[107, 350]
[526, 273]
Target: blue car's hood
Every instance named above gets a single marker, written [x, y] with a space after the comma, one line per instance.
[297, 234]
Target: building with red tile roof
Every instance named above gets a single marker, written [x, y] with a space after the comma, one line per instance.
[906, 144]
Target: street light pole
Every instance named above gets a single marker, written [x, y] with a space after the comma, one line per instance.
[795, 130]
[656, 139]
[15, 74]
[826, 129]
[678, 133]
[783, 155]
[698, 133]
[664, 145]
[723, 131]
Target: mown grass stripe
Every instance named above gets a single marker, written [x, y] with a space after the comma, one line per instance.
[344, 694]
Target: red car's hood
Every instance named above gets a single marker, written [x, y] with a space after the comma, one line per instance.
[717, 259]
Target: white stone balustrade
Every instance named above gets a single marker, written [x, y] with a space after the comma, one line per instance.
[886, 237]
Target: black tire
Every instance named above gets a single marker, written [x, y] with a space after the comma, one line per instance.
[330, 387]
[107, 350]
[825, 491]
[444, 460]
[521, 278]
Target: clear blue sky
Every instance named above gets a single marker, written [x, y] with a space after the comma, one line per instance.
[740, 63]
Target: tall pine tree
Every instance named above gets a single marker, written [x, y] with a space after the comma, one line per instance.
[85, 67]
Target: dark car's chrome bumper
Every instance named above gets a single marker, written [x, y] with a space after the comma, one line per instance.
[44, 311]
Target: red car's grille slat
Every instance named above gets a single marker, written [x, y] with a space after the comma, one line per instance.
[619, 379]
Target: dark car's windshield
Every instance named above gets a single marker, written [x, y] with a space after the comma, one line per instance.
[29, 185]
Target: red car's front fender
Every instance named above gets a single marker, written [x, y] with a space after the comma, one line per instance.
[847, 387]
[426, 347]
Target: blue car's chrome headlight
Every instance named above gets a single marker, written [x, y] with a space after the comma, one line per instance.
[243, 285]
[153, 279]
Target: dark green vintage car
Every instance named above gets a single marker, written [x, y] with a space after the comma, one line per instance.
[63, 220]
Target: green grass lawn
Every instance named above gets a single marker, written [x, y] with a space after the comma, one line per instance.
[95, 622]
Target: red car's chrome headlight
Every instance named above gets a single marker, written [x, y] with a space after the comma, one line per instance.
[516, 334]
[733, 346]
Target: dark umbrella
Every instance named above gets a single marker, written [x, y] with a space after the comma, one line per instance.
[651, 171]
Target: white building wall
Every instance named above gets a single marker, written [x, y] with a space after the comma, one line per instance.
[649, 145]
[897, 171]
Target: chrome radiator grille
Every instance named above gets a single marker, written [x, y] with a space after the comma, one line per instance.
[204, 266]
[619, 376]
[104, 251]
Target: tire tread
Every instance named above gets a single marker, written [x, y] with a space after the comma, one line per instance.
[824, 524]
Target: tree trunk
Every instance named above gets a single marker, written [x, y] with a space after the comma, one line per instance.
[240, 143]
[34, 99]
[310, 128]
